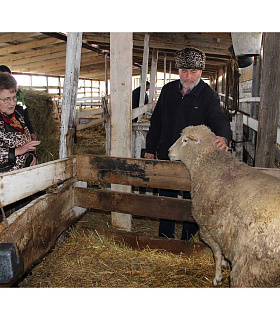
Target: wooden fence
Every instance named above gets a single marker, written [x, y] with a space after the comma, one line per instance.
[92, 111]
[36, 226]
[66, 197]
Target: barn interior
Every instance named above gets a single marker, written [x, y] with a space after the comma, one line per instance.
[44, 54]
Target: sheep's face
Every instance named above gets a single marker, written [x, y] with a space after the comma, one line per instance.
[178, 150]
[194, 141]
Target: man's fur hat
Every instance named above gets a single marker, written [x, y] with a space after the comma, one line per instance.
[190, 58]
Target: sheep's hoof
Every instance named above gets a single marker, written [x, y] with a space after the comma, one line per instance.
[217, 281]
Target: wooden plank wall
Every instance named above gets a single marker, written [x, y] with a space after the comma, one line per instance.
[133, 172]
[37, 226]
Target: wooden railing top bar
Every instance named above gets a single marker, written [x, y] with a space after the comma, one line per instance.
[19, 184]
[134, 172]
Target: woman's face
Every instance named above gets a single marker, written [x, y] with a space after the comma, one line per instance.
[8, 101]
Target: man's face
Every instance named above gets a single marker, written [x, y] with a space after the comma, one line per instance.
[189, 77]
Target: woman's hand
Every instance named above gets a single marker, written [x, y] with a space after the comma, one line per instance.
[33, 162]
[30, 146]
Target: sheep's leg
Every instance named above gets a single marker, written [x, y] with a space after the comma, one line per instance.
[224, 263]
[218, 256]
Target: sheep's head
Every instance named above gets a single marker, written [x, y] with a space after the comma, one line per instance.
[194, 143]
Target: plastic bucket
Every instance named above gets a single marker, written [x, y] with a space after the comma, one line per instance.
[246, 43]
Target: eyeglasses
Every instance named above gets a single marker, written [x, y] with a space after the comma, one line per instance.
[9, 100]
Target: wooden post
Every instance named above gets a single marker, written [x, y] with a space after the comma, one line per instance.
[106, 73]
[239, 136]
[269, 101]
[256, 84]
[153, 74]
[121, 45]
[68, 113]
[164, 67]
[144, 71]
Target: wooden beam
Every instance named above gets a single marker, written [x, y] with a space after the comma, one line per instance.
[106, 74]
[121, 88]
[134, 204]
[135, 172]
[138, 241]
[55, 62]
[28, 46]
[63, 37]
[91, 123]
[164, 69]
[13, 58]
[121, 45]
[137, 112]
[15, 36]
[35, 61]
[270, 98]
[153, 74]
[22, 183]
[144, 71]
[68, 113]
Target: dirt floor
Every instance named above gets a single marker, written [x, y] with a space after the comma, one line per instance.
[85, 257]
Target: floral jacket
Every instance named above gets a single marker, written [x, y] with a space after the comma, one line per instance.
[10, 139]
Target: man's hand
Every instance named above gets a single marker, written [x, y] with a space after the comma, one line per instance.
[221, 143]
[149, 156]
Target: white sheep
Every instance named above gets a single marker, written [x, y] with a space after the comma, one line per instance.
[236, 207]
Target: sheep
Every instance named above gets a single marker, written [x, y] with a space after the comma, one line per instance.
[237, 208]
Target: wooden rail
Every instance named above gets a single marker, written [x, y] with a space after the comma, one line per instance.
[19, 184]
[134, 172]
[135, 204]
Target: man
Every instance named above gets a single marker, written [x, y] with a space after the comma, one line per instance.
[136, 97]
[185, 102]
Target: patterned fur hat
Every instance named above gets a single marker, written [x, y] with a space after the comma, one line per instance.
[190, 58]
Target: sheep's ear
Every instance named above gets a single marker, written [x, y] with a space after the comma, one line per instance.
[194, 137]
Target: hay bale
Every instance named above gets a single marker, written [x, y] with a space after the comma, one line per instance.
[40, 109]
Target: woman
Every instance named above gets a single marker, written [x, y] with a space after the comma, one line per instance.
[16, 147]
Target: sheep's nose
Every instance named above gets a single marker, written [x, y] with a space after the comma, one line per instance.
[171, 154]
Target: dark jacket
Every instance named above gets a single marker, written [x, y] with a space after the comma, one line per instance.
[136, 98]
[24, 113]
[173, 113]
